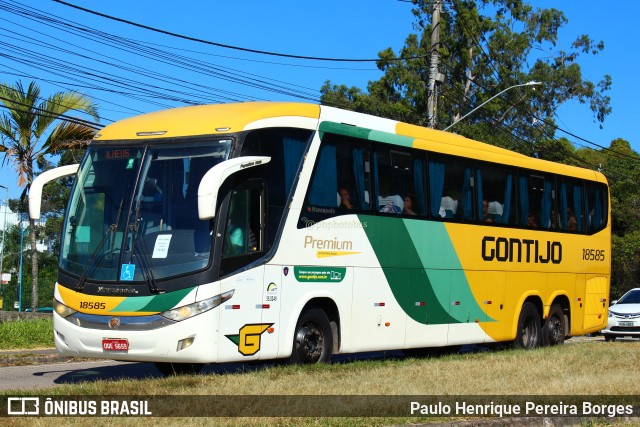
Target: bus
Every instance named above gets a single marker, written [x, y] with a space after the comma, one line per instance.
[271, 230]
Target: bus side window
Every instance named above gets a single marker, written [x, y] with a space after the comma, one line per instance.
[450, 188]
[596, 209]
[495, 193]
[536, 200]
[570, 201]
[342, 165]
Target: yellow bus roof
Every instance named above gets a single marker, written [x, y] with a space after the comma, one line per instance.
[202, 120]
[235, 117]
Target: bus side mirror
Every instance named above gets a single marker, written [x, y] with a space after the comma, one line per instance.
[213, 179]
[35, 190]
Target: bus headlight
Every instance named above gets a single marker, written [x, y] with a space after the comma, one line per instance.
[187, 311]
[61, 309]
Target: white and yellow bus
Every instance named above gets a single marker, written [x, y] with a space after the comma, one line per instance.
[259, 231]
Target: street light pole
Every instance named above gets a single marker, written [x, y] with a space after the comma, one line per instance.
[531, 83]
[4, 227]
[22, 230]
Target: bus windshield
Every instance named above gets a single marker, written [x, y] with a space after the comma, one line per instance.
[133, 212]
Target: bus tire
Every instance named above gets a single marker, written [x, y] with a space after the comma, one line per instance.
[529, 331]
[313, 338]
[169, 369]
[609, 338]
[553, 330]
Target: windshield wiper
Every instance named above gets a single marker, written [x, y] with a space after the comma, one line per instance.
[92, 263]
[147, 272]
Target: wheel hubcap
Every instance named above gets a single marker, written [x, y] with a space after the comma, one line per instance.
[310, 342]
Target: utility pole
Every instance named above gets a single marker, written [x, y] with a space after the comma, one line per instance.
[434, 72]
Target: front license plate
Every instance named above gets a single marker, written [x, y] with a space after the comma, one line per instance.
[115, 344]
[627, 324]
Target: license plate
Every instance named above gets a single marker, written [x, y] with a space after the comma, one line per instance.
[115, 344]
[627, 324]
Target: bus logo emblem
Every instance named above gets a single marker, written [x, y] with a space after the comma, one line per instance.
[249, 337]
[114, 322]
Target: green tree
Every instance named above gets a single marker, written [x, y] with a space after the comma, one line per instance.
[480, 56]
[32, 129]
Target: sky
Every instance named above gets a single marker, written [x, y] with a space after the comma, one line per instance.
[130, 70]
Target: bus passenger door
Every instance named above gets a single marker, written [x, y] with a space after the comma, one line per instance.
[240, 242]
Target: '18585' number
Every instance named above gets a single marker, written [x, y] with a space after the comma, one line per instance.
[593, 254]
[93, 305]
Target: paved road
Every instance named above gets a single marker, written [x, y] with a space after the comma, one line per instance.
[32, 377]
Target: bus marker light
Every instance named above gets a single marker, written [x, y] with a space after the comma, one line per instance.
[420, 303]
[387, 324]
[271, 330]
[455, 303]
[153, 133]
[235, 307]
[263, 306]
[378, 304]
[488, 302]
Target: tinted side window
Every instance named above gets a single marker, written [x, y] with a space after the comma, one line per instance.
[341, 180]
[451, 187]
[536, 200]
[570, 205]
[596, 209]
[495, 186]
[399, 182]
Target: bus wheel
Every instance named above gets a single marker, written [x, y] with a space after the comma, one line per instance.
[553, 330]
[609, 338]
[169, 369]
[529, 330]
[313, 340]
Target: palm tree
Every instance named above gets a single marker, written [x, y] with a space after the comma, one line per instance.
[32, 129]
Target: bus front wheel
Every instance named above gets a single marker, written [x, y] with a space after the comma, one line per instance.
[553, 330]
[529, 329]
[313, 339]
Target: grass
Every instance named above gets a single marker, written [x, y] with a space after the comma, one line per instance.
[26, 333]
[589, 369]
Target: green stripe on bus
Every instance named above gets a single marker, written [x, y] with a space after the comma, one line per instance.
[364, 133]
[425, 274]
[389, 138]
[342, 129]
[403, 269]
[153, 304]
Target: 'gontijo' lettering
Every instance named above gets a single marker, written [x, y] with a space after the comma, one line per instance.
[521, 250]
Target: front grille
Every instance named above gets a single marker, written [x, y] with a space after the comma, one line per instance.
[126, 323]
[625, 316]
[635, 329]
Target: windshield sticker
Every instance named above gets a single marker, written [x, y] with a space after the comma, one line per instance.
[127, 271]
[319, 274]
[161, 247]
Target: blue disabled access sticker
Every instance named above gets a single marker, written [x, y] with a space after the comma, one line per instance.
[126, 271]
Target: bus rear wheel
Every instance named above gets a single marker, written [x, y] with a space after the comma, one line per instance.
[169, 369]
[529, 330]
[553, 330]
[313, 339]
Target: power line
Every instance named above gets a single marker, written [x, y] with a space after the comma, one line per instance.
[243, 49]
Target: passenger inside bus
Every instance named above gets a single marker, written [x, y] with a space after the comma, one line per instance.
[409, 203]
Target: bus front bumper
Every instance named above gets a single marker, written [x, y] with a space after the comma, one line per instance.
[142, 339]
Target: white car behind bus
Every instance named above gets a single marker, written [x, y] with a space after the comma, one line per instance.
[624, 317]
